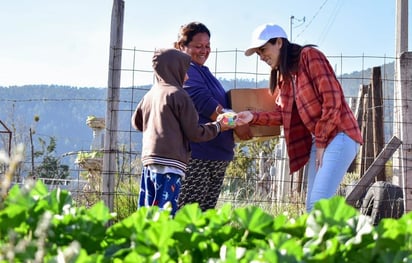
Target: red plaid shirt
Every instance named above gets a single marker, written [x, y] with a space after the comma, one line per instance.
[319, 108]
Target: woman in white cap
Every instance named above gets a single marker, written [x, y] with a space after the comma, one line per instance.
[319, 126]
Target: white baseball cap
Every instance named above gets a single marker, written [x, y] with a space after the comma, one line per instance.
[263, 34]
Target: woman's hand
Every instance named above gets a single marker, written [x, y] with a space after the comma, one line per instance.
[243, 132]
[244, 117]
[319, 157]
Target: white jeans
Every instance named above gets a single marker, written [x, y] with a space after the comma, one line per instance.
[324, 182]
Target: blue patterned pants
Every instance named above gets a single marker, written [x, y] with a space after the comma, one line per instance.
[157, 189]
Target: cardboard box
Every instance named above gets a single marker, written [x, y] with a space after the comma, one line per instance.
[258, 99]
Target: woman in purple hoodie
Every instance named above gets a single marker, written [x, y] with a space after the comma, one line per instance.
[209, 161]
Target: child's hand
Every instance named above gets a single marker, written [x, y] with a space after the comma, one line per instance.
[227, 120]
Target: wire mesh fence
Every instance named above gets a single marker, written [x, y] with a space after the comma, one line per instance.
[263, 185]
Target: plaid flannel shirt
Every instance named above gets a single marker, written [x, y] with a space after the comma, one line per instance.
[311, 104]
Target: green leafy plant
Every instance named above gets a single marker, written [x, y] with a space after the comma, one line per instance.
[36, 221]
[50, 166]
[38, 225]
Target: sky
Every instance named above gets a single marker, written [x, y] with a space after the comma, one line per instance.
[66, 42]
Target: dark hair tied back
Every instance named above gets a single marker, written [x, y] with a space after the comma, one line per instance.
[188, 31]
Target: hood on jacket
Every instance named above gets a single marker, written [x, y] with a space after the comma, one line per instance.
[170, 66]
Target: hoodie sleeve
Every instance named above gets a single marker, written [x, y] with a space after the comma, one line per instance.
[189, 122]
[137, 119]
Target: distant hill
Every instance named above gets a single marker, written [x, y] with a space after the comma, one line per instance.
[63, 110]
[351, 82]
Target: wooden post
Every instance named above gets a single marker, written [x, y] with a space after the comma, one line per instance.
[363, 131]
[359, 110]
[367, 132]
[402, 161]
[113, 97]
[369, 153]
[363, 90]
[401, 26]
[377, 116]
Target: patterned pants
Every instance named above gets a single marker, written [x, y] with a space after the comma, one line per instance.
[203, 183]
[158, 189]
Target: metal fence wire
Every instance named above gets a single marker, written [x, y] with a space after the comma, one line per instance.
[267, 184]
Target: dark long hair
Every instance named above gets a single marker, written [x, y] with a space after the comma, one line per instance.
[289, 60]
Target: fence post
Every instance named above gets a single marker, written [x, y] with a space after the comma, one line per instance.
[113, 97]
[377, 116]
[402, 161]
[357, 163]
[367, 132]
